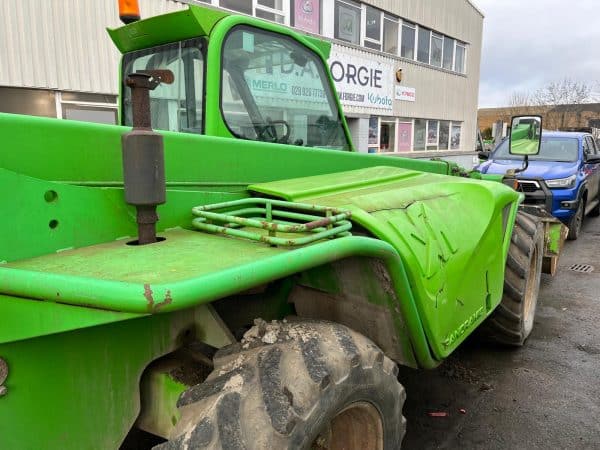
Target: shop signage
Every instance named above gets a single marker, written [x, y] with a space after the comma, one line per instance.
[307, 15]
[406, 94]
[362, 79]
[287, 82]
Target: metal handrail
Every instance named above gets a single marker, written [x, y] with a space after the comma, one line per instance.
[315, 222]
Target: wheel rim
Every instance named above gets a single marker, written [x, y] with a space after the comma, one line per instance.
[530, 289]
[357, 427]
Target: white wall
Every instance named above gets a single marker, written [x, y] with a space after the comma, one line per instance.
[63, 44]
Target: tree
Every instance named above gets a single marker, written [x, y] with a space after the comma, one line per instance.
[518, 102]
[563, 99]
[519, 99]
[564, 92]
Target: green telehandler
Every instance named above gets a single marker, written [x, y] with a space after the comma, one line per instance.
[224, 270]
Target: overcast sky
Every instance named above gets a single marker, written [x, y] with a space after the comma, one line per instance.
[528, 43]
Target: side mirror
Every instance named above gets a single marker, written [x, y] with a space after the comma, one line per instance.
[483, 155]
[525, 135]
[592, 159]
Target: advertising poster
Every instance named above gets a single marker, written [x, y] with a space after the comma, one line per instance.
[307, 15]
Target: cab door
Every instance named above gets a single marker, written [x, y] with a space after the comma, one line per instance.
[592, 170]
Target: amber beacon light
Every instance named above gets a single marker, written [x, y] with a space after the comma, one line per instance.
[129, 11]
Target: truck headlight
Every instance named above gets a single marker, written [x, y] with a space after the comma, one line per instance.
[562, 182]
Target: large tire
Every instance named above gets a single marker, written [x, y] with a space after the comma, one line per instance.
[296, 385]
[512, 321]
[595, 212]
[576, 221]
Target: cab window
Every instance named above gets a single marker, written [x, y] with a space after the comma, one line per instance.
[176, 106]
[276, 90]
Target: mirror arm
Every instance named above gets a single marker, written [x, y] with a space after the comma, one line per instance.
[525, 165]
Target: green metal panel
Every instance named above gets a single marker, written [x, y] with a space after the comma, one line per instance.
[22, 319]
[176, 26]
[80, 389]
[456, 276]
[90, 154]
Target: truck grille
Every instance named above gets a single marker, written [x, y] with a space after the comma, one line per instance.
[528, 186]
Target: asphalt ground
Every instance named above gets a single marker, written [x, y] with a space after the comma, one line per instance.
[544, 395]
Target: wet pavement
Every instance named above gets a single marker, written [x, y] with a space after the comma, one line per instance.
[545, 395]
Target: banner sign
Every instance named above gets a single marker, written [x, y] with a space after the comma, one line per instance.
[362, 79]
[406, 94]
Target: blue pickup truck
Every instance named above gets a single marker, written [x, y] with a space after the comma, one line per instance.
[564, 177]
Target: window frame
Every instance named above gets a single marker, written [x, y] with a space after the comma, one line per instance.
[418, 42]
[329, 92]
[413, 27]
[361, 18]
[440, 37]
[464, 59]
[256, 6]
[366, 39]
[201, 46]
[444, 52]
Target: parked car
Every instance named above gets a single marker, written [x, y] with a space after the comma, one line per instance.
[564, 177]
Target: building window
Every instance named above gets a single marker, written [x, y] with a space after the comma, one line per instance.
[448, 53]
[387, 138]
[347, 21]
[420, 132]
[444, 134]
[373, 141]
[407, 48]
[87, 107]
[459, 60]
[242, 6]
[373, 28]
[33, 102]
[432, 134]
[455, 137]
[436, 49]
[307, 15]
[390, 34]
[423, 45]
[273, 10]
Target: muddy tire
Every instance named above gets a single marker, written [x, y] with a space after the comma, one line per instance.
[576, 221]
[512, 320]
[296, 385]
[595, 212]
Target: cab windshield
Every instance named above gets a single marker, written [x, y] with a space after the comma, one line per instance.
[559, 149]
[276, 90]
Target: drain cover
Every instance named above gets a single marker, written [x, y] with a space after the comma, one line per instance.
[584, 268]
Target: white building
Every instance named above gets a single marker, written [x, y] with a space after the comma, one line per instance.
[407, 72]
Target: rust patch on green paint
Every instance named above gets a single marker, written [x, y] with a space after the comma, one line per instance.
[152, 305]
